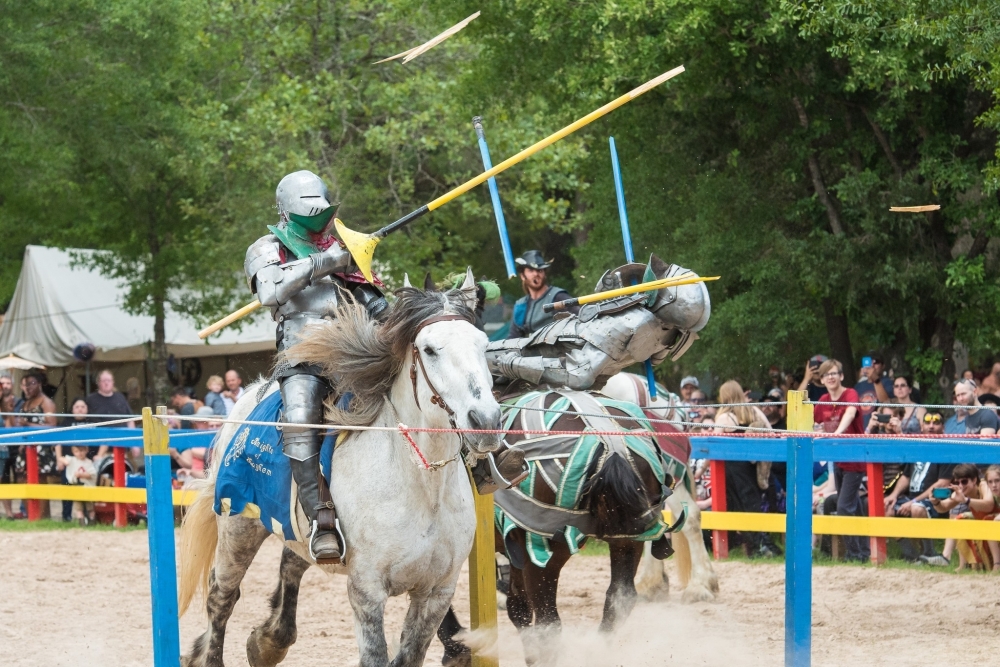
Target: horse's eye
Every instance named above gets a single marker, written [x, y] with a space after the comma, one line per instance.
[429, 351]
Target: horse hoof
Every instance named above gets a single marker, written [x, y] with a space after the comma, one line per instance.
[462, 659]
[697, 593]
[261, 651]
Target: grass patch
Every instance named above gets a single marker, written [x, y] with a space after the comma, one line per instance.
[42, 525]
[595, 547]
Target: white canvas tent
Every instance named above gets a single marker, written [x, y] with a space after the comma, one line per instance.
[58, 305]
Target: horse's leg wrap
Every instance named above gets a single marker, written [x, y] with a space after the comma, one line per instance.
[303, 400]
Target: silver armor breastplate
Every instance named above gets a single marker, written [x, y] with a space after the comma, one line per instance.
[312, 301]
[313, 304]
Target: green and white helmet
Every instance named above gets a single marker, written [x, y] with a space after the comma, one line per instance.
[304, 208]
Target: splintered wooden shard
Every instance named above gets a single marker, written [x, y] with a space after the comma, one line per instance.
[915, 209]
[410, 54]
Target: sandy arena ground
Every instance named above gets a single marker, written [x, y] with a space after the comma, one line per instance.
[80, 597]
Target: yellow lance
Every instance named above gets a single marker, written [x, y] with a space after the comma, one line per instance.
[651, 286]
[362, 246]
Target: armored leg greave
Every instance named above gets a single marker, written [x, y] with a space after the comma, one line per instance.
[303, 400]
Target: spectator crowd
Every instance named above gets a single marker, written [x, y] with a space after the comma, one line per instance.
[92, 465]
[918, 489]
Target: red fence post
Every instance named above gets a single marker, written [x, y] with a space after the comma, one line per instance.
[121, 516]
[31, 461]
[720, 538]
[876, 507]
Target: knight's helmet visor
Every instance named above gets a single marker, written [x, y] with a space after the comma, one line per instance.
[304, 199]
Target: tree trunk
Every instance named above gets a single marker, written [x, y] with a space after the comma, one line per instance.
[158, 355]
[944, 336]
[840, 340]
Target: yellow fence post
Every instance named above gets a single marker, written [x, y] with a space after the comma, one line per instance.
[483, 582]
[799, 415]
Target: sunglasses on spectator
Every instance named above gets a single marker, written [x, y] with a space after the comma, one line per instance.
[961, 481]
[696, 401]
[832, 374]
[901, 386]
[932, 419]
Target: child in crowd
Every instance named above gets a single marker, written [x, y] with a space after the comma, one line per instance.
[213, 399]
[81, 470]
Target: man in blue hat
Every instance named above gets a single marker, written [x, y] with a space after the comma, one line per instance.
[529, 315]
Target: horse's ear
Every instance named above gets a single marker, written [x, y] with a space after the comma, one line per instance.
[470, 280]
[406, 280]
[468, 289]
[428, 283]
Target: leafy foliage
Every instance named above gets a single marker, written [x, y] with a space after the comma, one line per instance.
[159, 132]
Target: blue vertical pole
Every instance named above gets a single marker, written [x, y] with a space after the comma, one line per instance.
[162, 559]
[798, 554]
[620, 193]
[484, 150]
[627, 238]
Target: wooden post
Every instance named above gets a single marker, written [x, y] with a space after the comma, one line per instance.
[162, 557]
[121, 516]
[800, 418]
[31, 468]
[483, 580]
[876, 507]
[720, 538]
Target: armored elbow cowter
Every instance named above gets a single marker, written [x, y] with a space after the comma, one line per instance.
[275, 283]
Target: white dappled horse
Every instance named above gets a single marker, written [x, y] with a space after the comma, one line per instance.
[408, 529]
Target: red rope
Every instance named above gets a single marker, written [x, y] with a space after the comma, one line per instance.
[413, 445]
[688, 434]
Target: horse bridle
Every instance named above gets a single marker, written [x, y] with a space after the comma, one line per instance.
[418, 361]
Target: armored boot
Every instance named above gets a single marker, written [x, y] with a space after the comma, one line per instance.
[500, 470]
[303, 400]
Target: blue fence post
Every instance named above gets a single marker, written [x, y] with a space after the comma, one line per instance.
[162, 558]
[798, 553]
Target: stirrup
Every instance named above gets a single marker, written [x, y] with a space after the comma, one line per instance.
[338, 534]
[496, 480]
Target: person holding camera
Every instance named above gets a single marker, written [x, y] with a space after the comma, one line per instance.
[812, 381]
[832, 416]
[970, 498]
[874, 386]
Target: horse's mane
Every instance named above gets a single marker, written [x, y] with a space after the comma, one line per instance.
[361, 356]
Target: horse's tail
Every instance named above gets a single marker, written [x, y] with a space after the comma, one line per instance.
[682, 556]
[199, 537]
[615, 497]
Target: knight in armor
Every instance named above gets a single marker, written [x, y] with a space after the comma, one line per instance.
[301, 272]
[581, 351]
[529, 313]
